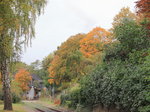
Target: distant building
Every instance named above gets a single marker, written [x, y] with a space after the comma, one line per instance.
[36, 86]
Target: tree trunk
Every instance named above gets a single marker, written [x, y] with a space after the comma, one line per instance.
[6, 85]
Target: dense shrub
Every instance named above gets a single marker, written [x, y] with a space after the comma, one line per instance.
[113, 84]
[117, 83]
[146, 67]
[16, 91]
[15, 98]
[71, 99]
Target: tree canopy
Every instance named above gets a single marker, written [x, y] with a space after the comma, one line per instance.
[17, 20]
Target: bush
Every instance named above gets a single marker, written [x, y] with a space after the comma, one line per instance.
[146, 67]
[15, 98]
[71, 99]
[118, 84]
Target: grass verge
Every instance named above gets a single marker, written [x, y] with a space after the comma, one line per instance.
[16, 108]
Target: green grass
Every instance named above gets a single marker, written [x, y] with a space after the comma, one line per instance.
[46, 100]
[1, 102]
[16, 108]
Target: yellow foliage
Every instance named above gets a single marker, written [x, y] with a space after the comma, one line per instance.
[125, 13]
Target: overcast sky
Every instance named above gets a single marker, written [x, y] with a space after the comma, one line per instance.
[64, 18]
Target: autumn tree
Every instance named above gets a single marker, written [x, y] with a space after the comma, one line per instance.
[143, 8]
[54, 69]
[23, 77]
[47, 60]
[124, 13]
[65, 61]
[16, 66]
[94, 41]
[17, 20]
[76, 56]
[36, 65]
[132, 37]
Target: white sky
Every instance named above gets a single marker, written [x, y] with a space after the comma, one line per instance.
[64, 18]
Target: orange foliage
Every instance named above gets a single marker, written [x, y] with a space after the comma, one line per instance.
[66, 52]
[94, 41]
[23, 77]
[57, 102]
[52, 70]
[51, 81]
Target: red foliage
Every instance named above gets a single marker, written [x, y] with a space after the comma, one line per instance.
[143, 7]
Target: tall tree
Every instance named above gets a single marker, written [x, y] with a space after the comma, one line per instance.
[94, 41]
[36, 65]
[16, 66]
[124, 13]
[61, 68]
[47, 60]
[143, 7]
[132, 37]
[17, 20]
[76, 56]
